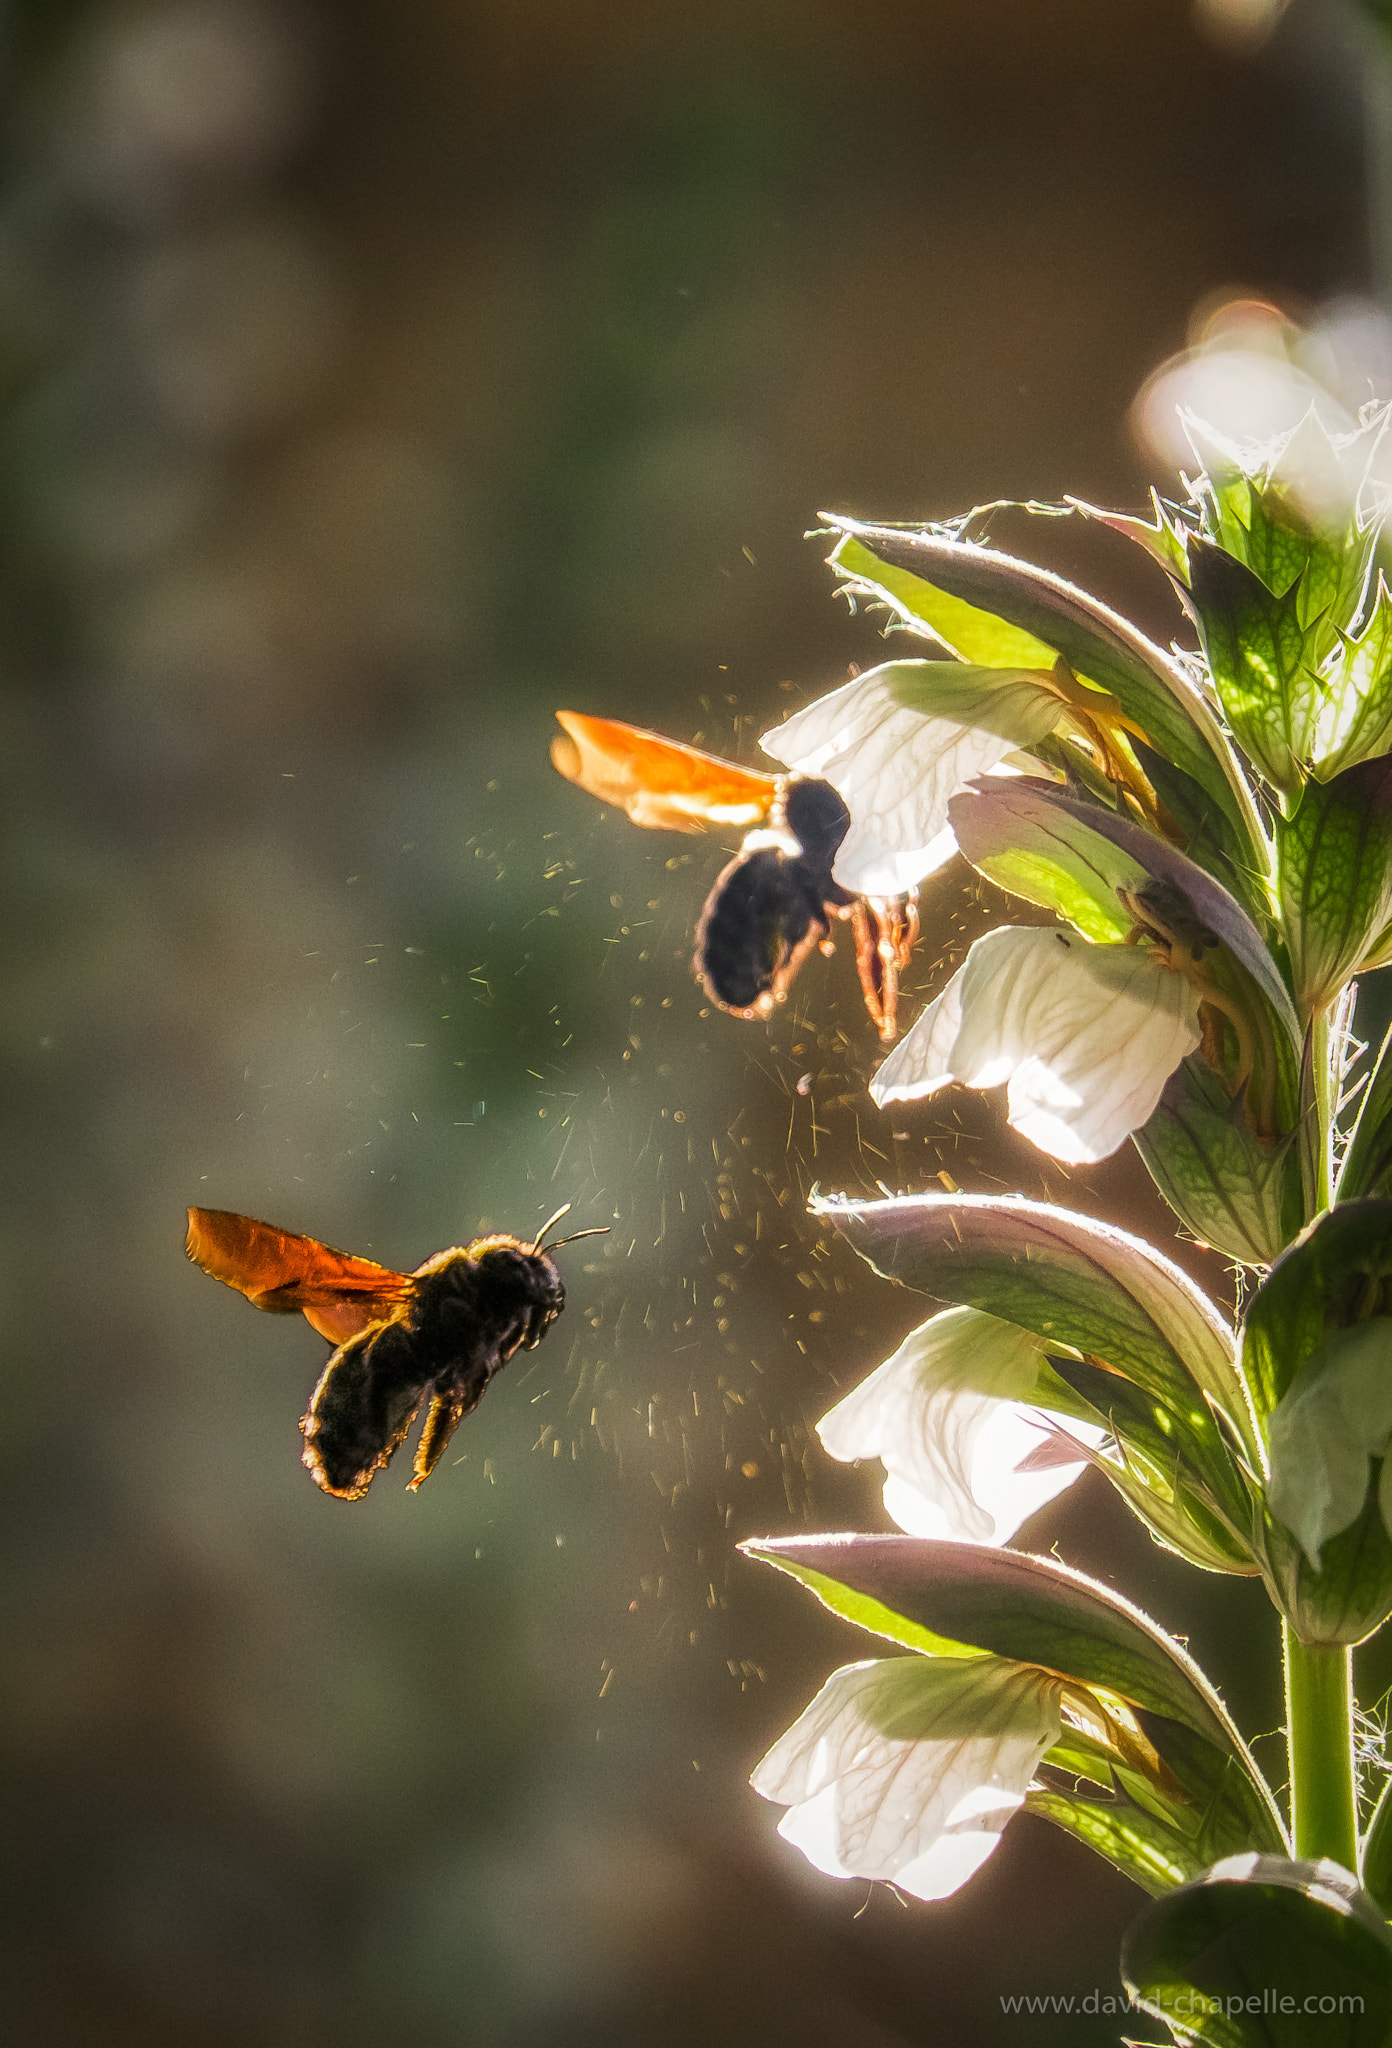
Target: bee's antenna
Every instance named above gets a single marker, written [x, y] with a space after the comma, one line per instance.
[601, 1230]
[564, 1210]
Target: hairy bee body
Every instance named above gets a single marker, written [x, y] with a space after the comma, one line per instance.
[774, 902]
[770, 904]
[468, 1310]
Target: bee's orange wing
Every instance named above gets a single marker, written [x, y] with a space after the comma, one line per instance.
[660, 782]
[279, 1271]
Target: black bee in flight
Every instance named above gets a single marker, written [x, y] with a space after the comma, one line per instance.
[776, 899]
[437, 1335]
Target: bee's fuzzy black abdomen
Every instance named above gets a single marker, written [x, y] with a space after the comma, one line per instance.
[759, 911]
[363, 1406]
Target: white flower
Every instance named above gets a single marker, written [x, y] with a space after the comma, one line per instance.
[1335, 1416]
[897, 743]
[1085, 1035]
[908, 1768]
[960, 1417]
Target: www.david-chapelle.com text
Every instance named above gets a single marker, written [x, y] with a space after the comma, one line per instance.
[1186, 2004]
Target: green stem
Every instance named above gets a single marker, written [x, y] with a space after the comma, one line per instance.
[1326, 1105]
[1319, 1731]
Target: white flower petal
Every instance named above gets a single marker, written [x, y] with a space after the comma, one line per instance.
[954, 1415]
[908, 1768]
[895, 765]
[867, 866]
[1085, 1035]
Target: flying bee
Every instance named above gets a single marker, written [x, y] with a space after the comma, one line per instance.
[437, 1335]
[775, 901]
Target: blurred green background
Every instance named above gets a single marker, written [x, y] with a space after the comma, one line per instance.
[377, 379]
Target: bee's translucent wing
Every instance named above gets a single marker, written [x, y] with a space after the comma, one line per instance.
[280, 1271]
[660, 782]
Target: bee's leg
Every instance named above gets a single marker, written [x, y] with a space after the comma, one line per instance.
[457, 1391]
[901, 914]
[540, 1317]
[442, 1419]
[885, 929]
[870, 963]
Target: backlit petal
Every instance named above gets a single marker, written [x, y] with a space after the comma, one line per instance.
[908, 1768]
[955, 1414]
[896, 743]
[1085, 1035]
[867, 866]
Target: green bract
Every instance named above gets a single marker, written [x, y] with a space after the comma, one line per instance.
[1335, 878]
[1317, 1345]
[1147, 1352]
[1241, 1196]
[1367, 1163]
[1265, 1953]
[1066, 1278]
[1336, 1416]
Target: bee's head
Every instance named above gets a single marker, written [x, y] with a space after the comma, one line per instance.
[520, 1278]
[816, 817]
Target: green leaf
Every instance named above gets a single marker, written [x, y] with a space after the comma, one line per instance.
[1333, 1276]
[1237, 1958]
[1356, 720]
[1067, 1278]
[1250, 503]
[1151, 1471]
[972, 633]
[1036, 1611]
[1367, 1163]
[1335, 877]
[1335, 1417]
[1255, 645]
[1230, 1191]
[1156, 1840]
[1207, 833]
[928, 577]
[1377, 1852]
[1164, 539]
